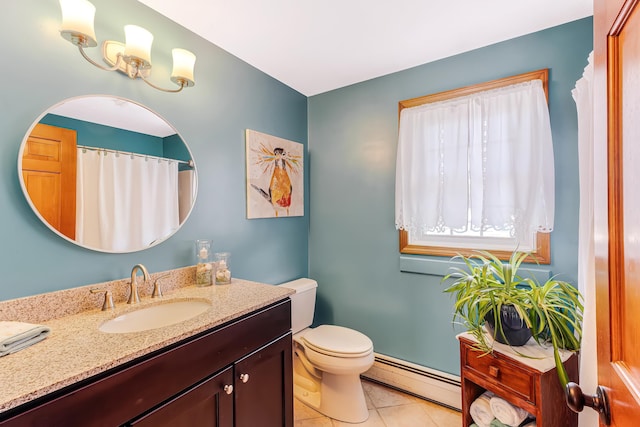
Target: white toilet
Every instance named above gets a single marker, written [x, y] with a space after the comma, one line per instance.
[327, 360]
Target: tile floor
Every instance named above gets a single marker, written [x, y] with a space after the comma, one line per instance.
[387, 408]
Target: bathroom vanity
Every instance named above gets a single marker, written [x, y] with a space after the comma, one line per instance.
[235, 373]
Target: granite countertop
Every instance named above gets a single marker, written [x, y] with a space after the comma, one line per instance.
[76, 349]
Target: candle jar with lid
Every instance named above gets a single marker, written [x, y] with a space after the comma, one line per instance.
[204, 269]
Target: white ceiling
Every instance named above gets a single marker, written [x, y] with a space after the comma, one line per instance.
[315, 46]
[114, 112]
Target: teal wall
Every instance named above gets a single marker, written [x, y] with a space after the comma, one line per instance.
[101, 136]
[346, 240]
[174, 148]
[352, 146]
[40, 69]
[96, 135]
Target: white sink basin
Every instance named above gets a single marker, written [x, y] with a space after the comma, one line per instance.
[156, 316]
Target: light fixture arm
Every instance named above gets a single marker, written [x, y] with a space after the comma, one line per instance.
[144, 79]
[102, 67]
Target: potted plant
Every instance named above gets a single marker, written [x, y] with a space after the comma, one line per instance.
[489, 291]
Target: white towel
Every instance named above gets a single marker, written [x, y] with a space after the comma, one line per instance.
[506, 413]
[15, 336]
[480, 410]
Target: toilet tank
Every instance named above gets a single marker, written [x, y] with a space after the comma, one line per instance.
[303, 303]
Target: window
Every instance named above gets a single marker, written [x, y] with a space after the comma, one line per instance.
[475, 169]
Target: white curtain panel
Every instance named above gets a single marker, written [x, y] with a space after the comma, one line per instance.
[583, 96]
[124, 203]
[489, 153]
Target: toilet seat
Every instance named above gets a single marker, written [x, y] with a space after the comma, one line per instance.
[337, 341]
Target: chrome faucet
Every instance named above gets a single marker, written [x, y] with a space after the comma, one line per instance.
[134, 298]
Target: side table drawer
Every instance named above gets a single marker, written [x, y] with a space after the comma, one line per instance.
[510, 377]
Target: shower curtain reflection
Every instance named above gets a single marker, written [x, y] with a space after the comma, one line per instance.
[124, 202]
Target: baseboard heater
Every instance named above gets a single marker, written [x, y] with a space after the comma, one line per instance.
[430, 384]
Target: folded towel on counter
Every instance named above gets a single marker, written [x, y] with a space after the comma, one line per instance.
[506, 413]
[15, 336]
[480, 410]
[496, 423]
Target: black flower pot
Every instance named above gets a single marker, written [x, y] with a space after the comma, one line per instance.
[514, 330]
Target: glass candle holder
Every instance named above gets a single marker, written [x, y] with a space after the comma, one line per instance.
[222, 274]
[204, 269]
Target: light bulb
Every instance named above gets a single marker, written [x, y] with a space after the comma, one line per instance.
[138, 45]
[183, 64]
[77, 22]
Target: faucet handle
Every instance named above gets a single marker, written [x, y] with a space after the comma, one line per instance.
[157, 290]
[108, 298]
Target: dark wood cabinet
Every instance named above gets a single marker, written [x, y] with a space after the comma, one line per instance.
[537, 392]
[249, 393]
[209, 403]
[257, 404]
[184, 384]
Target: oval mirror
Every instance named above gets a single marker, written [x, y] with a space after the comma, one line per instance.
[107, 174]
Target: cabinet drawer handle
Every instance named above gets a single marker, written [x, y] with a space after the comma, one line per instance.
[494, 371]
[228, 389]
[244, 377]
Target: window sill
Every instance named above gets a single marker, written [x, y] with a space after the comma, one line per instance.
[440, 268]
[541, 256]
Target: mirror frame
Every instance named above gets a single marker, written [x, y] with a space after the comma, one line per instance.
[56, 231]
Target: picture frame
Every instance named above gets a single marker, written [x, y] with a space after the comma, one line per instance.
[275, 176]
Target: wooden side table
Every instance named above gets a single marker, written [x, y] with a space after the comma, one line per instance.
[531, 384]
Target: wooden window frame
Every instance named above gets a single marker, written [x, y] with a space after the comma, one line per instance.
[542, 254]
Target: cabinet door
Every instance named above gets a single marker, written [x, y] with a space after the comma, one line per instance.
[264, 386]
[208, 404]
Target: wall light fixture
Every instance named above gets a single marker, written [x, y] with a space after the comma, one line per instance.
[133, 57]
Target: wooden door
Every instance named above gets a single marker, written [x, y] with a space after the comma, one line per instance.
[264, 386]
[617, 204]
[49, 174]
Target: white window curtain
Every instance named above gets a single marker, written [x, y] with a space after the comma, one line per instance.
[583, 96]
[123, 202]
[484, 159]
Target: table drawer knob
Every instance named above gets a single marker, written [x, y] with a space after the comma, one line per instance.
[494, 371]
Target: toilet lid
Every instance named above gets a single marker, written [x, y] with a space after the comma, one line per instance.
[331, 339]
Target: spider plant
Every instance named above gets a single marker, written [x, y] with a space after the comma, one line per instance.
[552, 311]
